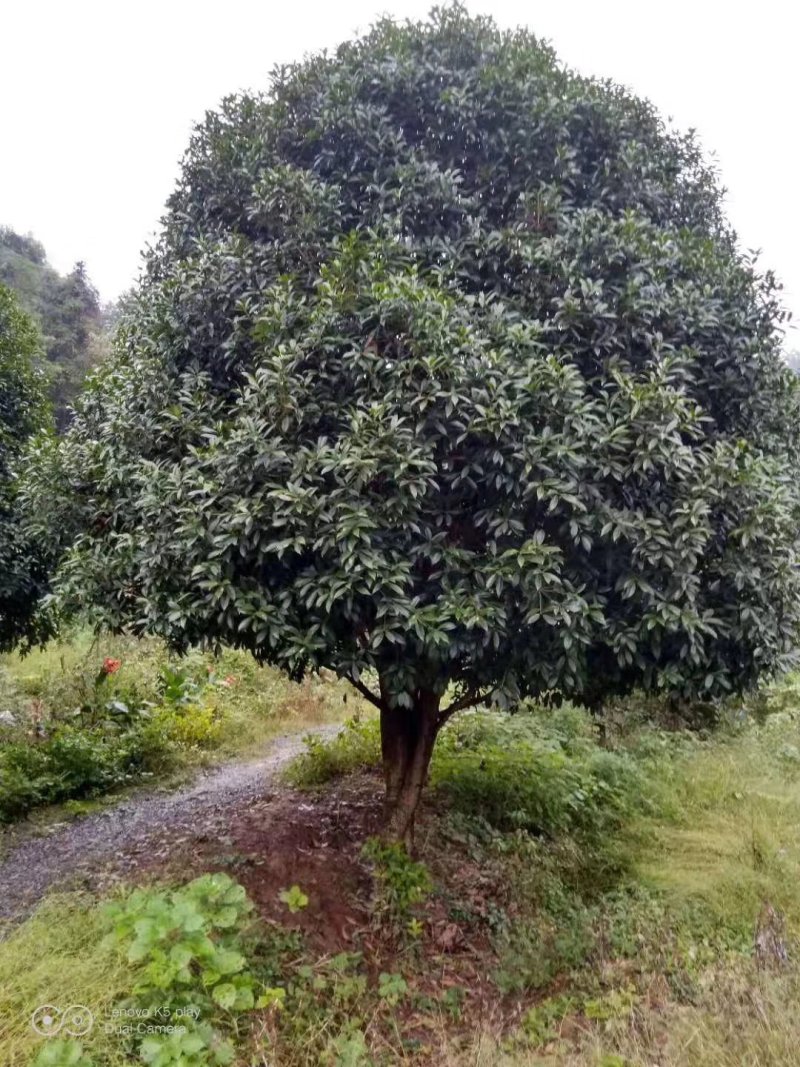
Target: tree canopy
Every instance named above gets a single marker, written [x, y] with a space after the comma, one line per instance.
[447, 370]
[23, 412]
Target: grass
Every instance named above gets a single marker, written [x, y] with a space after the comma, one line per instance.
[722, 849]
[574, 902]
[635, 907]
[81, 733]
[744, 1018]
[733, 840]
[259, 704]
[356, 747]
[59, 957]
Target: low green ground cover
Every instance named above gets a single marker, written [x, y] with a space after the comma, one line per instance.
[630, 898]
[86, 717]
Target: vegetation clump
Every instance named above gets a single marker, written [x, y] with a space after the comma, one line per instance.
[630, 935]
[66, 309]
[78, 725]
[23, 414]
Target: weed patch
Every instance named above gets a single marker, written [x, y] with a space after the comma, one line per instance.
[579, 901]
[82, 718]
[356, 747]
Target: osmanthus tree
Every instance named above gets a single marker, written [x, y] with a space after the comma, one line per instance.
[23, 412]
[447, 374]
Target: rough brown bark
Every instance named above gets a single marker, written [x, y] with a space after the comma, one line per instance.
[407, 739]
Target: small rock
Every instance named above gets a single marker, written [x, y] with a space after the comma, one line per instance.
[449, 937]
[770, 938]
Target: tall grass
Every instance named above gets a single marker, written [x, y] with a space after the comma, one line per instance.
[79, 731]
[259, 702]
[60, 957]
[629, 881]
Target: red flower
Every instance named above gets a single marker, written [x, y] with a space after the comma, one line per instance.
[229, 680]
[111, 666]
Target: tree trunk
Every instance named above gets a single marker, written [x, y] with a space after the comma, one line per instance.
[407, 739]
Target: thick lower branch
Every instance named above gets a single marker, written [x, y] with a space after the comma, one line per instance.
[366, 693]
[470, 700]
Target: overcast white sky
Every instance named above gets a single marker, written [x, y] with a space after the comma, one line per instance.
[99, 97]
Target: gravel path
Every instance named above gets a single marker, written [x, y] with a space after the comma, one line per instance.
[97, 848]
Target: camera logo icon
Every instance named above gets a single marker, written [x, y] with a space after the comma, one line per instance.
[49, 1020]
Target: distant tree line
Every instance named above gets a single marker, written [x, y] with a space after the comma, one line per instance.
[74, 326]
[24, 414]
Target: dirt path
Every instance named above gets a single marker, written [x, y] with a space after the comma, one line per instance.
[99, 848]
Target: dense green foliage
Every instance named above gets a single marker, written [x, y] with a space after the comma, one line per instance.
[23, 412]
[76, 764]
[190, 945]
[79, 722]
[67, 310]
[106, 734]
[539, 771]
[448, 365]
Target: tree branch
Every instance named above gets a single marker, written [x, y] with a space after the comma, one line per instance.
[367, 694]
[469, 700]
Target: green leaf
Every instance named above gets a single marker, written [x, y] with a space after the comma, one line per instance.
[224, 995]
[294, 898]
[228, 961]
